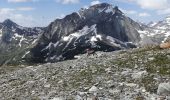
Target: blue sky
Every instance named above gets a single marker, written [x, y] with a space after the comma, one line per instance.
[41, 12]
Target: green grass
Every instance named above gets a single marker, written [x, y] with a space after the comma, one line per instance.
[160, 64]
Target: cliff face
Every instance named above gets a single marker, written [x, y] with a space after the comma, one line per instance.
[100, 27]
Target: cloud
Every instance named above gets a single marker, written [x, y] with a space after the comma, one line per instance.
[61, 16]
[144, 14]
[153, 4]
[164, 12]
[131, 12]
[161, 7]
[25, 8]
[67, 1]
[18, 1]
[150, 4]
[9, 13]
[95, 2]
[6, 10]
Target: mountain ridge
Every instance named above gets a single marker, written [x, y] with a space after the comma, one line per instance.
[102, 20]
[100, 27]
[14, 39]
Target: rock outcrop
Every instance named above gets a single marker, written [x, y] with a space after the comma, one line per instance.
[101, 27]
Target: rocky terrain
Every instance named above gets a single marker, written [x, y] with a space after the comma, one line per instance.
[156, 32]
[140, 70]
[134, 74]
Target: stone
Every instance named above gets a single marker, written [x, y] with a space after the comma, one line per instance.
[93, 89]
[163, 89]
[57, 98]
[139, 75]
[47, 85]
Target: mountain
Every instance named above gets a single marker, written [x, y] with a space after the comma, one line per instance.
[151, 24]
[101, 27]
[156, 33]
[15, 39]
[132, 74]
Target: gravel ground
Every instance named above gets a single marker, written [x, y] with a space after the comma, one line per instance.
[135, 74]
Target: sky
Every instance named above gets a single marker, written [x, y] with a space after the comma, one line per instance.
[33, 13]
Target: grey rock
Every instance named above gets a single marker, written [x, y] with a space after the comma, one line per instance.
[164, 89]
[88, 28]
[139, 75]
[93, 89]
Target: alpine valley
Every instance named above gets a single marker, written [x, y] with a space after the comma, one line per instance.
[44, 63]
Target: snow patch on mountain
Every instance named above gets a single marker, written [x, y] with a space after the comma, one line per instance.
[108, 9]
[16, 35]
[93, 39]
[25, 54]
[0, 33]
[151, 24]
[112, 41]
[80, 33]
[168, 20]
[21, 40]
[66, 38]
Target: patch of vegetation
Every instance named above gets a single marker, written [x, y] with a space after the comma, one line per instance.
[82, 77]
[160, 64]
[147, 48]
[86, 77]
[149, 84]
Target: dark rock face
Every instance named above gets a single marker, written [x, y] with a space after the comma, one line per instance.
[100, 27]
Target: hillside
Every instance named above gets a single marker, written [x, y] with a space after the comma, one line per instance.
[96, 53]
[135, 74]
[101, 27]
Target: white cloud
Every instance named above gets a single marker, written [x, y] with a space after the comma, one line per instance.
[25, 8]
[61, 16]
[6, 10]
[85, 7]
[24, 20]
[144, 14]
[153, 4]
[18, 1]
[165, 11]
[130, 12]
[150, 4]
[95, 2]
[161, 7]
[67, 1]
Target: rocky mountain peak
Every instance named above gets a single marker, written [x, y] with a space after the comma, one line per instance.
[151, 24]
[101, 5]
[9, 23]
[105, 7]
[167, 19]
[101, 27]
[99, 10]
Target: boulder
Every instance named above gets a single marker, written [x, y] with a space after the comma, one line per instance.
[164, 89]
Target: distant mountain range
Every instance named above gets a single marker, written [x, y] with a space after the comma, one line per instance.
[15, 39]
[156, 32]
[100, 27]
